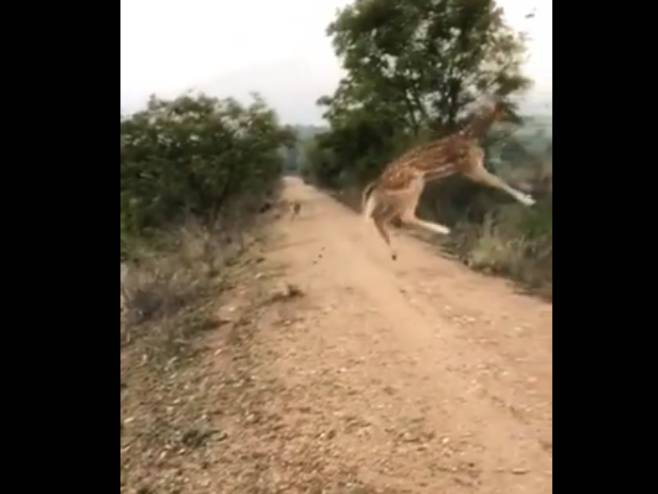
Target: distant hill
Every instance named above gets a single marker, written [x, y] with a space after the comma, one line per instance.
[536, 134]
[295, 157]
[526, 155]
[305, 132]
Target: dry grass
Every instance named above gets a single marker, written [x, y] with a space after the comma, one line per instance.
[171, 293]
[509, 243]
[169, 285]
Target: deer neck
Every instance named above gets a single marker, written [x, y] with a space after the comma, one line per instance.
[479, 126]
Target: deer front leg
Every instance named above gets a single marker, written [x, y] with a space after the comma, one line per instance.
[481, 175]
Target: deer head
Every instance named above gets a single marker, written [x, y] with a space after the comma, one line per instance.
[502, 112]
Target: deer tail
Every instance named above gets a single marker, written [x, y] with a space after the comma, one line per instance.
[368, 201]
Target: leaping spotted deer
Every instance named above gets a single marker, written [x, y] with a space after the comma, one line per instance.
[395, 194]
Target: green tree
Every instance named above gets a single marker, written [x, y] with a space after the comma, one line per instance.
[413, 67]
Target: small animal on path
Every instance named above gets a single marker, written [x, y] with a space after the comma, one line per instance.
[295, 209]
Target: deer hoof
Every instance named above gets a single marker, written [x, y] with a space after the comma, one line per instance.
[527, 200]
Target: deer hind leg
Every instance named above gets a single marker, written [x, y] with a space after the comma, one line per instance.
[381, 215]
[479, 174]
[409, 217]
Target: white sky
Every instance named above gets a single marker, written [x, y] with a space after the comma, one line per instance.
[276, 47]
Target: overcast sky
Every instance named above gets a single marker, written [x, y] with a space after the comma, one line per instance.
[276, 47]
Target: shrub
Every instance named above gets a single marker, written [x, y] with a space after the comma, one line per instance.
[193, 156]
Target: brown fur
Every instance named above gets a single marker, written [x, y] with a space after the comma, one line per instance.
[395, 194]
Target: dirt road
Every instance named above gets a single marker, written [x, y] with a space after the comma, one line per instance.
[427, 376]
[416, 376]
